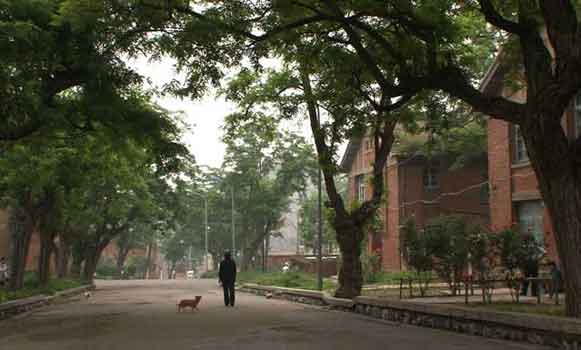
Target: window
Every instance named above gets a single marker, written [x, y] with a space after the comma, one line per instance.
[577, 115]
[431, 178]
[530, 218]
[360, 187]
[520, 149]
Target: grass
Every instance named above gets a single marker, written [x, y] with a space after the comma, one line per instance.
[299, 280]
[394, 278]
[32, 288]
[529, 308]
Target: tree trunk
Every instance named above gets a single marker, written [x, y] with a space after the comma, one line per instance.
[148, 260]
[558, 170]
[19, 255]
[349, 238]
[46, 244]
[92, 256]
[121, 257]
[21, 229]
[62, 259]
[250, 252]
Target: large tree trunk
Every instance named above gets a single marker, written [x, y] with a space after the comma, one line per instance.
[62, 252]
[91, 260]
[349, 238]
[148, 260]
[250, 252]
[558, 170]
[21, 244]
[46, 244]
[121, 257]
[21, 229]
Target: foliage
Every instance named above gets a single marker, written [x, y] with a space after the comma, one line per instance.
[371, 265]
[517, 250]
[416, 254]
[106, 269]
[298, 280]
[308, 218]
[448, 242]
[32, 288]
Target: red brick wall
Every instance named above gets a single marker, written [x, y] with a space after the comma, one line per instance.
[509, 181]
[390, 257]
[459, 193]
[499, 174]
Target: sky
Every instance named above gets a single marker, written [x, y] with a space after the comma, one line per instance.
[204, 116]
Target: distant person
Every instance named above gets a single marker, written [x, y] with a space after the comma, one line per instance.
[3, 272]
[227, 277]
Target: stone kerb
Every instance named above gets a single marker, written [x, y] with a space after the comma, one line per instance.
[16, 307]
[296, 295]
[556, 332]
[553, 331]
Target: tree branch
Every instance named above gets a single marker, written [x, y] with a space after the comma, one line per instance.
[494, 17]
[451, 80]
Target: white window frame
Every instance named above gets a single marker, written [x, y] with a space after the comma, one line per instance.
[360, 188]
[520, 148]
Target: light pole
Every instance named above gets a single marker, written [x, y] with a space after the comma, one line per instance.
[320, 235]
[205, 199]
[233, 226]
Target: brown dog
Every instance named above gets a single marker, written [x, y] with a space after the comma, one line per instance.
[191, 303]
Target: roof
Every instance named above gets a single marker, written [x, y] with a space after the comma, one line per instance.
[350, 154]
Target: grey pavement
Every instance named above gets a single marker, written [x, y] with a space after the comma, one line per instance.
[142, 315]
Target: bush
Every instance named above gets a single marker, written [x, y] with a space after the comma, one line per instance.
[106, 269]
[298, 280]
[32, 288]
[210, 274]
[415, 254]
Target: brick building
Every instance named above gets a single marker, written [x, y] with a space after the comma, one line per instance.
[515, 199]
[415, 187]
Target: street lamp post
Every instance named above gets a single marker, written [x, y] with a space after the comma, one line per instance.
[205, 199]
[233, 226]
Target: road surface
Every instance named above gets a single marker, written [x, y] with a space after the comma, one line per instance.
[142, 315]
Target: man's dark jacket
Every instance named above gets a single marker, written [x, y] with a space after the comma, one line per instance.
[227, 273]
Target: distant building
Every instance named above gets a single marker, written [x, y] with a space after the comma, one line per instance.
[416, 187]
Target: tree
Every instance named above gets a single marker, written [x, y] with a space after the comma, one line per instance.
[414, 248]
[50, 47]
[266, 165]
[448, 242]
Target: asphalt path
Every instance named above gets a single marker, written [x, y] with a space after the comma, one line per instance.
[142, 315]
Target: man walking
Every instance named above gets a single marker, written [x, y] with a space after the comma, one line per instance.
[227, 276]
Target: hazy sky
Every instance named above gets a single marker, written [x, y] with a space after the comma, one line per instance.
[204, 116]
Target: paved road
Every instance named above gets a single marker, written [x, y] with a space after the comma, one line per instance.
[142, 315]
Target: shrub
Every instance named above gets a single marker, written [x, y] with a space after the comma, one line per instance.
[415, 253]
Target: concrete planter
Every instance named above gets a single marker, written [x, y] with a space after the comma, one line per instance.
[560, 333]
[15, 307]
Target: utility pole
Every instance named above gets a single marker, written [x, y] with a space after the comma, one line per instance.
[233, 226]
[320, 235]
[206, 230]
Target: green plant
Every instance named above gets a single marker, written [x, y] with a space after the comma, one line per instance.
[415, 253]
[447, 242]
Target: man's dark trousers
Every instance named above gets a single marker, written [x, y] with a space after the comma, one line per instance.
[228, 294]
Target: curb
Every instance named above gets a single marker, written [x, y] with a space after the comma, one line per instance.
[13, 308]
[556, 332]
